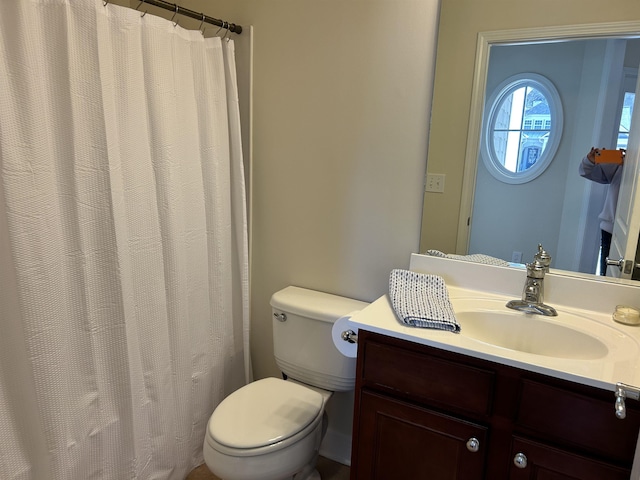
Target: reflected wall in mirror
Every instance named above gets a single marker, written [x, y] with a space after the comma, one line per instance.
[589, 65]
[559, 208]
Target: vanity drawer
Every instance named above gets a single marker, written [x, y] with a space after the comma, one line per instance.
[584, 420]
[419, 376]
[544, 461]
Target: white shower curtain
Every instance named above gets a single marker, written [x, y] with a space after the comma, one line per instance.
[123, 251]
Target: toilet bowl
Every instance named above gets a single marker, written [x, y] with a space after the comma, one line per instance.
[271, 429]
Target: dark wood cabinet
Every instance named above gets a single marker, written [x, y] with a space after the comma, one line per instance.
[398, 439]
[426, 413]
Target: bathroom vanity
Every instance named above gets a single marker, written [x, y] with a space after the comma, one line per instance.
[423, 412]
[438, 405]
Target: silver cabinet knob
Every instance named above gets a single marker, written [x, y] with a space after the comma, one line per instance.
[473, 444]
[520, 460]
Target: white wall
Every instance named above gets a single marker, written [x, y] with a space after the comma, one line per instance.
[341, 102]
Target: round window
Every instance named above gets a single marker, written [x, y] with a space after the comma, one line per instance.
[523, 126]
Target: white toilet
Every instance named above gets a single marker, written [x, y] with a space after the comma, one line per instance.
[271, 429]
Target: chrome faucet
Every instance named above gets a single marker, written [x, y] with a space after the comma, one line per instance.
[533, 291]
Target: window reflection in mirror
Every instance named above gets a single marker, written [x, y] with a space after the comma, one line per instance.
[521, 129]
[523, 119]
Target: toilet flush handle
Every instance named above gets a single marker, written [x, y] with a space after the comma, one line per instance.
[281, 317]
[349, 336]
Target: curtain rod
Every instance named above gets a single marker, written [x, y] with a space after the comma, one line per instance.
[178, 10]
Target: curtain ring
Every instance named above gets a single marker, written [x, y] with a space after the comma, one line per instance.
[139, 5]
[226, 25]
[105, 3]
[201, 25]
[174, 16]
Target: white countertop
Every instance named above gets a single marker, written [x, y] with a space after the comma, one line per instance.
[620, 364]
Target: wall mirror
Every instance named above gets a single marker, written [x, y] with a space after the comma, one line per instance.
[592, 67]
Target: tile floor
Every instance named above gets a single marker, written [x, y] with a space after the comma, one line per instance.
[329, 470]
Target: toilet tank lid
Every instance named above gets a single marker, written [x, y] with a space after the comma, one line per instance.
[264, 412]
[314, 304]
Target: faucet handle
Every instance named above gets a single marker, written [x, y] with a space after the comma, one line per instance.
[542, 257]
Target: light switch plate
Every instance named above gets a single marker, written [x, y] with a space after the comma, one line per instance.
[434, 183]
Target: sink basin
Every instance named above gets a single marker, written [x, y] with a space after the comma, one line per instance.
[565, 336]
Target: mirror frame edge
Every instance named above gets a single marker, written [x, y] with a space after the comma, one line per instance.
[504, 37]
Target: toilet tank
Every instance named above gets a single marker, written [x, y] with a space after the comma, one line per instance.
[303, 345]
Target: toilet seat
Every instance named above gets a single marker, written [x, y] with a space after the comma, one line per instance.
[264, 415]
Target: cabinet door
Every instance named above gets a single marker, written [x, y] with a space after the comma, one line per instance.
[400, 440]
[541, 462]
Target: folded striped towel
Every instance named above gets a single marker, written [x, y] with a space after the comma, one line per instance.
[421, 300]
[474, 257]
